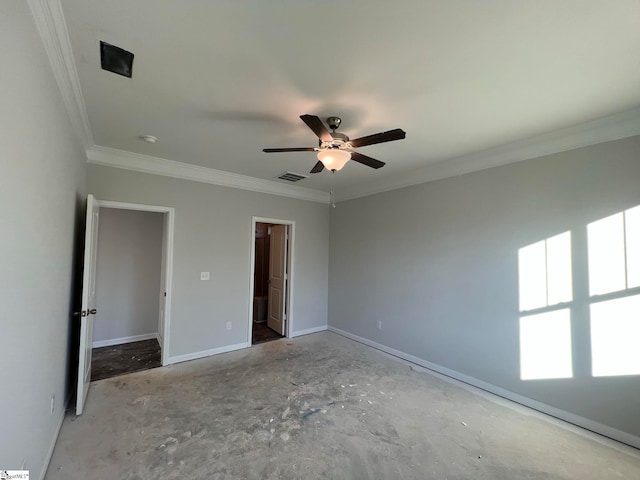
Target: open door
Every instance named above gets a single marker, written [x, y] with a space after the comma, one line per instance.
[88, 308]
[277, 278]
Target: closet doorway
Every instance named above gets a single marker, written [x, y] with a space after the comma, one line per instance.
[89, 314]
[130, 290]
[271, 280]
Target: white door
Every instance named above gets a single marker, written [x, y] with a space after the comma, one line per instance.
[88, 308]
[277, 278]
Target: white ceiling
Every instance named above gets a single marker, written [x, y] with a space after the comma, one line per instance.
[217, 81]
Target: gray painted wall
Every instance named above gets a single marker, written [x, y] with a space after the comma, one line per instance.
[42, 198]
[213, 234]
[127, 273]
[437, 264]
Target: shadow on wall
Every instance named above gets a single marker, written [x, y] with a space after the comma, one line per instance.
[553, 306]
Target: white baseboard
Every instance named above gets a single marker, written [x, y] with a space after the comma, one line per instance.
[119, 341]
[299, 333]
[54, 440]
[206, 353]
[569, 417]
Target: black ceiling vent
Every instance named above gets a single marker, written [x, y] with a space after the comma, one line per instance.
[115, 59]
[291, 177]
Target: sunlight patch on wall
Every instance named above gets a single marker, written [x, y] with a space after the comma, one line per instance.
[614, 268]
[545, 280]
[614, 252]
[615, 336]
[545, 345]
[532, 273]
[632, 224]
[606, 255]
[544, 271]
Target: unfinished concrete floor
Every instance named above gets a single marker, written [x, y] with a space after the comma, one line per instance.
[318, 406]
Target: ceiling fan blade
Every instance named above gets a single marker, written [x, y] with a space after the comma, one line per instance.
[301, 149]
[391, 135]
[368, 161]
[315, 124]
[318, 167]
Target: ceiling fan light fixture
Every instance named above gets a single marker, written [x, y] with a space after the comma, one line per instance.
[334, 158]
[335, 149]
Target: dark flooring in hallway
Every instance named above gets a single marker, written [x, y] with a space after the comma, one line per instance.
[262, 333]
[131, 357]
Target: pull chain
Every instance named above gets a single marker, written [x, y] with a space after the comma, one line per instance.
[331, 194]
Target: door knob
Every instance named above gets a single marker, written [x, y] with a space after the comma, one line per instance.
[93, 311]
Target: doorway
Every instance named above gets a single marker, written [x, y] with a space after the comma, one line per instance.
[126, 294]
[166, 266]
[271, 280]
[126, 333]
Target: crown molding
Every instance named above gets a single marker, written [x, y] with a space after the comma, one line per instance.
[112, 157]
[52, 27]
[613, 127]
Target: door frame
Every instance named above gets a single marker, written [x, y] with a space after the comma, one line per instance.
[167, 233]
[290, 272]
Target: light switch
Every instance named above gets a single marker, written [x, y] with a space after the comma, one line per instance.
[204, 275]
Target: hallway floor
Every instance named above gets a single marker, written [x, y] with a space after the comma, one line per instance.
[262, 333]
[107, 362]
[319, 406]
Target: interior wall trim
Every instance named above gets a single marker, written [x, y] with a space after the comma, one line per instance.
[206, 353]
[52, 27]
[112, 157]
[613, 127]
[121, 340]
[568, 417]
[308, 331]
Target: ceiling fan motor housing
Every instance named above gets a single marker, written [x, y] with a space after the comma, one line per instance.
[339, 137]
[334, 122]
[340, 140]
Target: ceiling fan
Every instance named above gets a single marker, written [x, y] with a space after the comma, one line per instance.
[335, 149]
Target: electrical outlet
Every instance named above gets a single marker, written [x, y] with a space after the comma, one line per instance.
[204, 276]
[53, 404]
[379, 324]
[228, 325]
